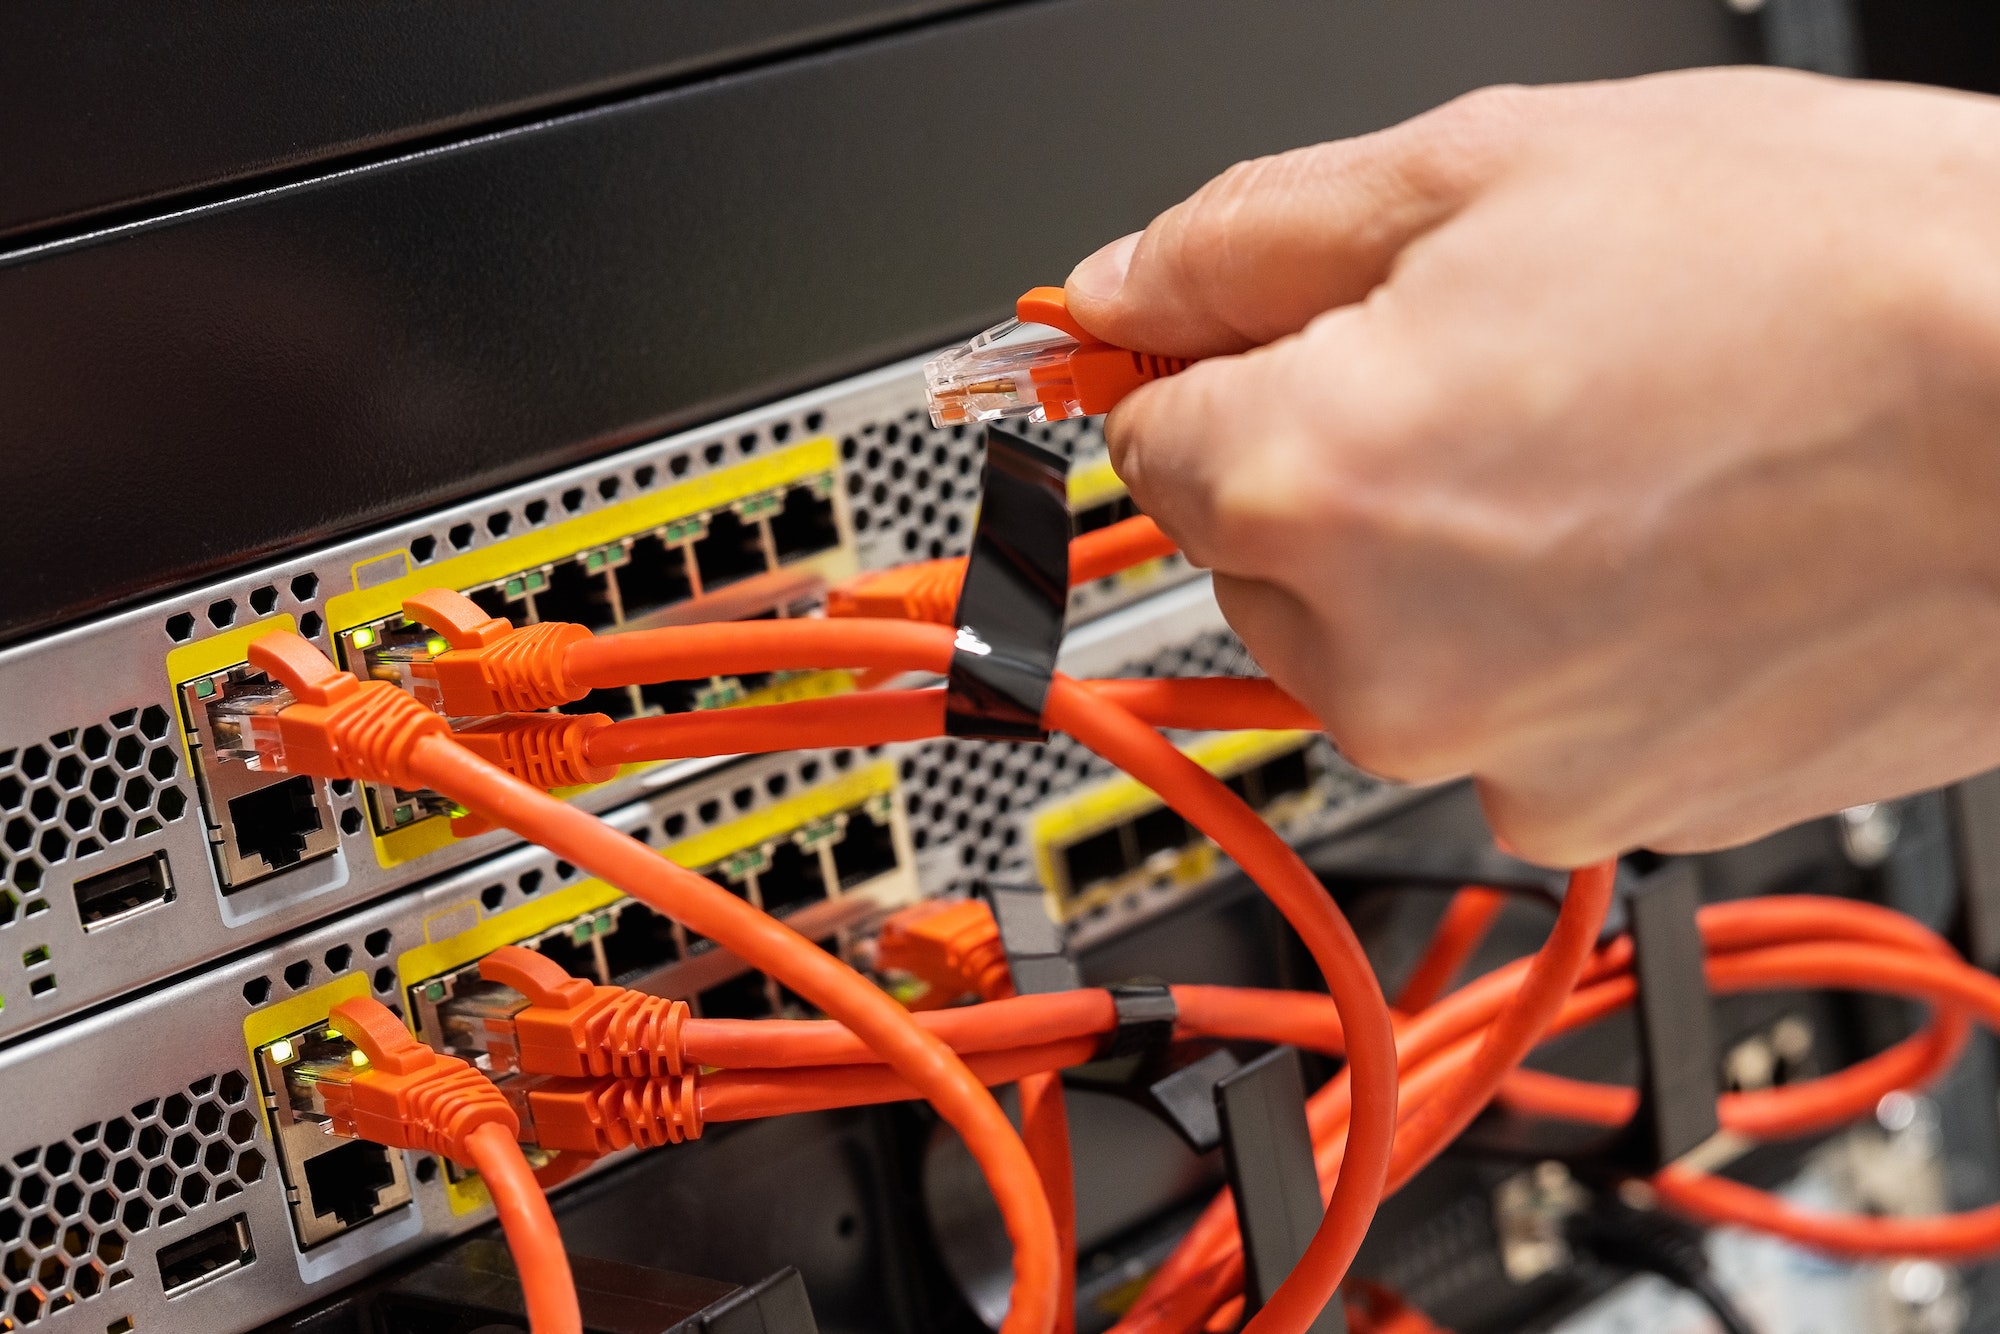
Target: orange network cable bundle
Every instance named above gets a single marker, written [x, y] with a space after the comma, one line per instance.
[591, 1069]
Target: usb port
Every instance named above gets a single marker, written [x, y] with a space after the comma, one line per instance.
[206, 1256]
[114, 895]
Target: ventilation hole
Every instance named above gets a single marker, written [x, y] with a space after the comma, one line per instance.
[529, 882]
[460, 536]
[679, 464]
[712, 454]
[298, 974]
[153, 722]
[564, 871]
[305, 587]
[377, 944]
[572, 499]
[493, 896]
[643, 477]
[674, 826]
[180, 627]
[815, 419]
[384, 981]
[264, 600]
[499, 522]
[222, 613]
[780, 432]
[338, 958]
[427, 1170]
[350, 821]
[607, 487]
[422, 549]
[535, 511]
[310, 625]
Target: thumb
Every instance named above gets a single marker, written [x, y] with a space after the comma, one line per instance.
[1261, 249]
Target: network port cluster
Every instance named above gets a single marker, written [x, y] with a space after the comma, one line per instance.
[315, 892]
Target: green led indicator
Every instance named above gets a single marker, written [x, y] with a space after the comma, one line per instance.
[363, 638]
[434, 992]
[537, 581]
[436, 644]
[594, 561]
[403, 815]
[514, 588]
[204, 688]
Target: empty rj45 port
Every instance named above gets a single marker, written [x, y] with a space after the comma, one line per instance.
[258, 823]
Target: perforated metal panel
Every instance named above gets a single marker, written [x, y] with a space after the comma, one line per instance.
[78, 793]
[69, 1209]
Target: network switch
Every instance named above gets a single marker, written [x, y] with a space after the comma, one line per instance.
[109, 765]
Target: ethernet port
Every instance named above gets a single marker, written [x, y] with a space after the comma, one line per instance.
[672, 696]
[347, 1182]
[731, 550]
[614, 701]
[744, 997]
[794, 878]
[1286, 775]
[275, 825]
[259, 823]
[1157, 831]
[656, 576]
[575, 958]
[494, 601]
[642, 941]
[579, 595]
[1102, 515]
[1095, 859]
[868, 849]
[806, 525]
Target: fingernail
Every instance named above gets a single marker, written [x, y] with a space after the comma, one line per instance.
[1100, 276]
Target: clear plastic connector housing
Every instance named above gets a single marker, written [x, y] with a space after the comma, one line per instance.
[245, 724]
[1013, 371]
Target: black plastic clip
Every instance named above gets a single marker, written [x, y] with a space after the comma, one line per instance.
[1678, 1086]
[1012, 604]
[1036, 955]
[1267, 1148]
[1678, 1082]
[1146, 1018]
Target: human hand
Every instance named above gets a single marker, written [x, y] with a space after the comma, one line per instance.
[1632, 447]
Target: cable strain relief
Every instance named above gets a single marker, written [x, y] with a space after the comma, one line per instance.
[376, 731]
[529, 670]
[637, 1036]
[649, 1113]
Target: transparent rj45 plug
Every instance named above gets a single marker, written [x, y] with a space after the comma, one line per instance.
[1012, 371]
[245, 724]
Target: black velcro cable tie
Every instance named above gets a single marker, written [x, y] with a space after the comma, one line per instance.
[1677, 1067]
[1015, 596]
[1146, 1018]
[1036, 955]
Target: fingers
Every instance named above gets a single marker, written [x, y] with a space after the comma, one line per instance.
[1249, 462]
[1263, 248]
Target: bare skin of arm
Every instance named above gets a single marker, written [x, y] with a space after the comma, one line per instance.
[1633, 448]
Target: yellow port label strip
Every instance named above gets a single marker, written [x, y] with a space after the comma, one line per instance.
[1117, 799]
[1093, 482]
[563, 540]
